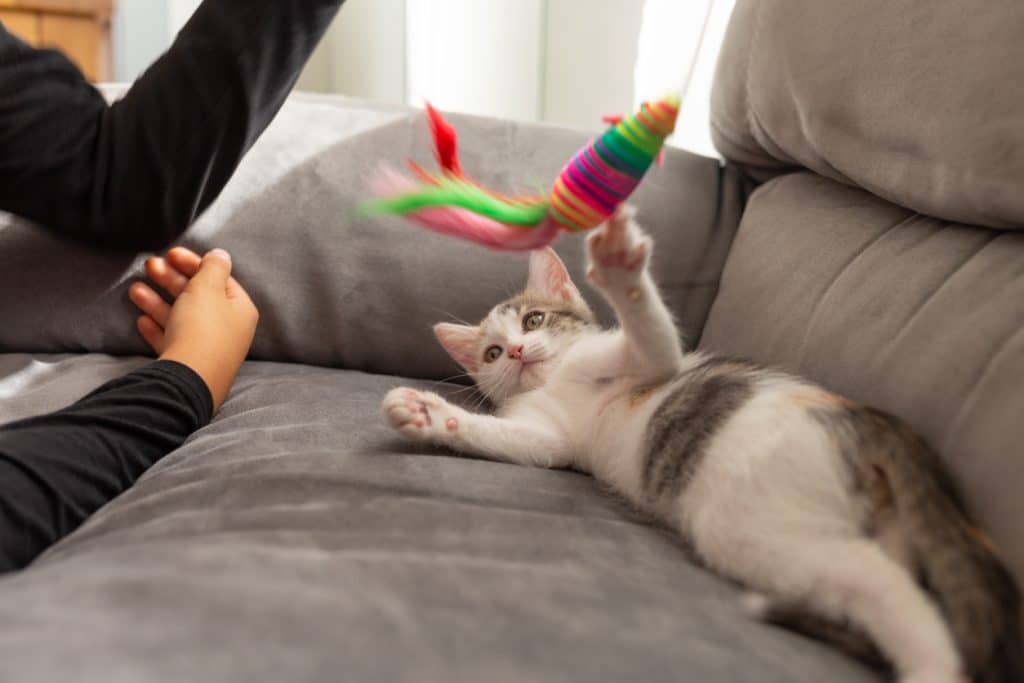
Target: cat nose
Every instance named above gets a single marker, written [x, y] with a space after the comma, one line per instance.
[515, 352]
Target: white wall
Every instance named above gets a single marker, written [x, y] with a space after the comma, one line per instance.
[178, 12]
[565, 61]
[590, 53]
[562, 61]
[367, 49]
[138, 36]
[142, 30]
[362, 54]
[476, 57]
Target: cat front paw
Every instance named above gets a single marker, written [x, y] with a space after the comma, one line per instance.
[420, 415]
[618, 252]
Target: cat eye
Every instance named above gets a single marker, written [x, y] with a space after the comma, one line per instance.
[492, 354]
[533, 320]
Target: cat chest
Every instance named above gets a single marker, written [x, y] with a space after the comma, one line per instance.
[605, 419]
[596, 401]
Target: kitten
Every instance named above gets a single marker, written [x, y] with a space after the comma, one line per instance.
[833, 514]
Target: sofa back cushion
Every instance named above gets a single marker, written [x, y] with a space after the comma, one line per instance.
[918, 101]
[362, 294]
[919, 317]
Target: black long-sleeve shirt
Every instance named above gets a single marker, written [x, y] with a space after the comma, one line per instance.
[132, 175]
[57, 469]
[135, 174]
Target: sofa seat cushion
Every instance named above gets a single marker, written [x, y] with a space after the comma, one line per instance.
[919, 317]
[296, 539]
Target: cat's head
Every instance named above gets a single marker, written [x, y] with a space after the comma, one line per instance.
[523, 338]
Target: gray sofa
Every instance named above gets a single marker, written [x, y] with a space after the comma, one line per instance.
[862, 234]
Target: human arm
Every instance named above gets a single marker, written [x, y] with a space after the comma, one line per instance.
[135, 174]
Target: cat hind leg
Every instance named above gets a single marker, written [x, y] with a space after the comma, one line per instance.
[853, 581]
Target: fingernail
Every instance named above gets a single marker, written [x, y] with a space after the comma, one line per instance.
[220, 253]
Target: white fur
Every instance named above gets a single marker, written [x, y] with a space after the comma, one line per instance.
[767, 506]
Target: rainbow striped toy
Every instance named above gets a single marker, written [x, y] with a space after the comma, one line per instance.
[595, 182]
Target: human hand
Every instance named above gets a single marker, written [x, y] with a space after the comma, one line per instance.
[211, 324]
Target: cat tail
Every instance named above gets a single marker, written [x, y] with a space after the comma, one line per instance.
[955, 561]
[838, 633]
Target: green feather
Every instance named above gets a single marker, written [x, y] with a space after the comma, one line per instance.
[462, 194]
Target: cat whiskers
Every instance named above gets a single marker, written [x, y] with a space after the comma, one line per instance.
[453, 317]
[449, 380]
[479, 402]
[536, 347]
[506, 380]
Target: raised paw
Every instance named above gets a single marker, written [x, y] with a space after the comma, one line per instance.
[618, 252]
[420, 415]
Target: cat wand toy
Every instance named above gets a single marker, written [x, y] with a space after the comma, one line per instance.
[595, 182]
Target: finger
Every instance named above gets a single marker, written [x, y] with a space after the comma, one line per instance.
[236, 291]
[214, 271]
[187, 263]
[165, 275]
[150, 303]
[151, 332]
[184, 260]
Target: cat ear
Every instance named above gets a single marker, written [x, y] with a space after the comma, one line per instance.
[460, 343]
[548, 277]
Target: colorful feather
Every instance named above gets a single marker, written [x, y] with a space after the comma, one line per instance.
[457, 192]
[595, 182]
[446, 141]
[463, 223]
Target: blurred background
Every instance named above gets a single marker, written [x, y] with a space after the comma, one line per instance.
[565, 62]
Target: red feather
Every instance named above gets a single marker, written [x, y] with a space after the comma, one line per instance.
[424, 176]
[446, 143]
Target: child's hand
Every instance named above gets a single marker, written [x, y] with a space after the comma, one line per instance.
[211, 324]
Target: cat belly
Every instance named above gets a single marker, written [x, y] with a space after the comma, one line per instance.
[771, 475]
[612, 444]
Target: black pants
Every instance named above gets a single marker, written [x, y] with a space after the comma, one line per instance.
[133, 175]
[57, 469]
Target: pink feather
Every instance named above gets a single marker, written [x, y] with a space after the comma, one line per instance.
[459, 222]
[387, 182]
[463, 223]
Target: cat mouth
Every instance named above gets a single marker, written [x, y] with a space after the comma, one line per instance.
[526, 365]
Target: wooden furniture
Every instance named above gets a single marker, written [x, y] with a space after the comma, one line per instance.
[78, 28]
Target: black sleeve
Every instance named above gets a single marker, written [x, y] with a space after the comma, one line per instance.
[134, 175]
[57, 469]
